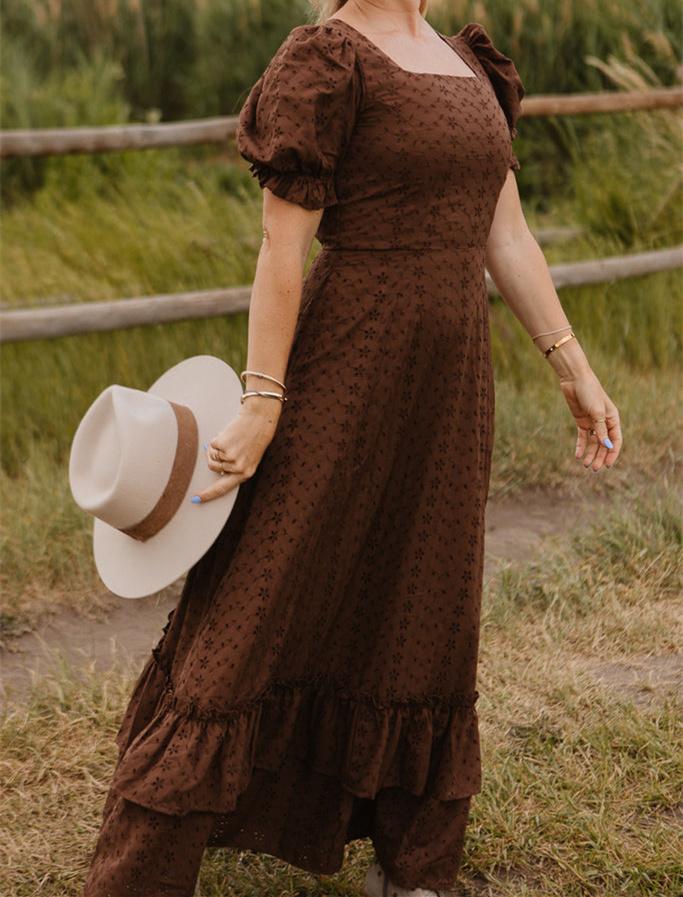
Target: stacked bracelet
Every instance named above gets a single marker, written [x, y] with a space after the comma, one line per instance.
[554, 346]
[270, 395]
[256, 392]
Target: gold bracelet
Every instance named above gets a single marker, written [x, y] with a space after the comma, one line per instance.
[243, 378]
[270, 395]
[559, 343]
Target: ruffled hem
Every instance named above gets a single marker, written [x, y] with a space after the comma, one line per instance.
[186, 758]
[312, 191]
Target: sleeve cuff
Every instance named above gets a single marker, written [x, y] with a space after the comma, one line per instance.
[312, 191]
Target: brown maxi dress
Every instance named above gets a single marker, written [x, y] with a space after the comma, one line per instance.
[316, 682]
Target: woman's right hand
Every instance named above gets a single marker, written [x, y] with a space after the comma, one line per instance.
[240, 445]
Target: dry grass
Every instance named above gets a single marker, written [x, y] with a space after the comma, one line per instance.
[582, 784]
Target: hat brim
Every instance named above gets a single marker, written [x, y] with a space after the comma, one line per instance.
[134, 569]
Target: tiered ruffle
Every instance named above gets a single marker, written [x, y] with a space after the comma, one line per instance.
[176, 757]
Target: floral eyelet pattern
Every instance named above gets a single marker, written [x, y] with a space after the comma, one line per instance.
[317, 680]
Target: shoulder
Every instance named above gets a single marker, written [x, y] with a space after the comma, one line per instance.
[298, 117]
[500, 69]
[318, 47]
[475, 35]
[314, 67]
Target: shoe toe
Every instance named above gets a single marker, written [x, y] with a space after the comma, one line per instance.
[377, 885]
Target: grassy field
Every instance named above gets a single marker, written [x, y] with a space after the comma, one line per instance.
[582, 773]
[580, 648]
[631, 331]
[68, 62]
[47, 540]
[168, 223]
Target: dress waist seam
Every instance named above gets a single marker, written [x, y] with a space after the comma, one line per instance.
[413, 250]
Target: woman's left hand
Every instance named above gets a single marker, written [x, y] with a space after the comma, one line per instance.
[593, 410]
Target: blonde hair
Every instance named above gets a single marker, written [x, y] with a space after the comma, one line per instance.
[325, 8]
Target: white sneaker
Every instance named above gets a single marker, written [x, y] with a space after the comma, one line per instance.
[377, 884]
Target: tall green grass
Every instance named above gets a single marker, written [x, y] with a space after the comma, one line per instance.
[170, 237]
[88, 228]
[176, 53]
[177, 59]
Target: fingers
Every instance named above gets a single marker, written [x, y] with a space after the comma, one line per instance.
[608, 435]
[600, 427]
[581, 441]
[614, 432]
[222, 486]
[218, 461]
[591, 446]
[597, 455]
[602, 441]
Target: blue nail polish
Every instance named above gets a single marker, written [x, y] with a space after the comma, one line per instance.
[195, 499]
[608, 442]
[206, 445]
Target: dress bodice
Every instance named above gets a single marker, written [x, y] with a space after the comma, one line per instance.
[396, 158]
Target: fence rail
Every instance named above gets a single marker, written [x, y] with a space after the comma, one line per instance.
[55, 321]
[120, 314]
[63, 141]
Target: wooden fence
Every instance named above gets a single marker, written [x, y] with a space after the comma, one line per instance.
[52, 321]
[60, 141]
[119, 314]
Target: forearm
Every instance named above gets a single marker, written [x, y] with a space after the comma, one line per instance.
[273, 311]
[520, 272]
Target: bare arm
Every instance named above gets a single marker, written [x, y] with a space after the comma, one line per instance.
[519, 269]
[288, 231]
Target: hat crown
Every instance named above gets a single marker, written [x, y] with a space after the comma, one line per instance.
[122, 455]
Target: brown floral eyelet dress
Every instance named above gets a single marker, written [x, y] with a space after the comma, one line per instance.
[316, 682]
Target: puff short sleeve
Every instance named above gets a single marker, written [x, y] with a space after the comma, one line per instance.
[502, 74]
[298, 117]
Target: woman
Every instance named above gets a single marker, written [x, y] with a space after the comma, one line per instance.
[316, 682]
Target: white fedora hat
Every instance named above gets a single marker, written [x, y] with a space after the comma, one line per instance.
[136, 460]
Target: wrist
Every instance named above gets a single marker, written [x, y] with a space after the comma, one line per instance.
[262, 408]
[569, 360]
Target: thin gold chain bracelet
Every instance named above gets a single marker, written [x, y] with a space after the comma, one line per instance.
[548, 332]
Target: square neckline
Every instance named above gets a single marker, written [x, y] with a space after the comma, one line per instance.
[473, 77]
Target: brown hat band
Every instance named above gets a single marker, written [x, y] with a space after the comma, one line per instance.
[178, 480]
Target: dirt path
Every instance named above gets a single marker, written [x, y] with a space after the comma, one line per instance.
[515, 529]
